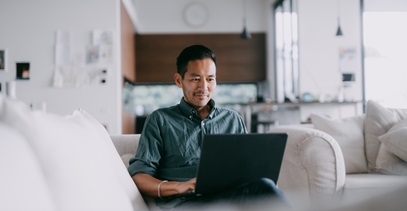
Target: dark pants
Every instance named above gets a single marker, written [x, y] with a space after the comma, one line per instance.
[262, 191]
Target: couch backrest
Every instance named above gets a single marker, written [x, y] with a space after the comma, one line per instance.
[126, 146]
[22, 181]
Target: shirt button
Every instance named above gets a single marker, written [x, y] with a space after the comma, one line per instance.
[203, 123]
[190, 117]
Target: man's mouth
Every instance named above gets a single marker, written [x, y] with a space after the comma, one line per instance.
[200, 95]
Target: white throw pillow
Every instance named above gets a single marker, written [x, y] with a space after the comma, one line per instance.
[75, 158]
[388, 163]
[377, 122]
[348, 132]
[22, 182]
[396, 139]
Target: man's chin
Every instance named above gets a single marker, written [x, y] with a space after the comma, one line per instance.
[201, 102]
[202, 98]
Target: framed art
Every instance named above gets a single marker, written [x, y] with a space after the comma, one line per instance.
[23, 71]
[3, 59]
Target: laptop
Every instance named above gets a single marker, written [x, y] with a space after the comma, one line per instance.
[228, 160]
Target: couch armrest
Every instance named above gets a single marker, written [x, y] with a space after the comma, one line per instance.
[313, 164]
[126, 146]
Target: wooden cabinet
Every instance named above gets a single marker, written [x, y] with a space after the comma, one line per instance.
[237, 60]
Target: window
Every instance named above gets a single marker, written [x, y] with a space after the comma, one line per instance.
[385, 59]
[286, 44]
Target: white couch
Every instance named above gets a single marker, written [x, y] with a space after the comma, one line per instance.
[347, 159]
[52, 162]
[313, 172]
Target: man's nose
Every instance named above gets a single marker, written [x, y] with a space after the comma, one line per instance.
[203, 84]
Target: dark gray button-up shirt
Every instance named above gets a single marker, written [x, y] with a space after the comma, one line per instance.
[169, 146]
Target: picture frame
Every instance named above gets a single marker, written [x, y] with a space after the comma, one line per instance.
[3, 59]
[23, 71]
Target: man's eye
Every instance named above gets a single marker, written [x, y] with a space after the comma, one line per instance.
[195, 79]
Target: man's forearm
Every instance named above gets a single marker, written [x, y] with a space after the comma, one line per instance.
[150, 186]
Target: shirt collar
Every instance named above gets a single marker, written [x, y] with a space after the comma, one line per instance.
[189, 111]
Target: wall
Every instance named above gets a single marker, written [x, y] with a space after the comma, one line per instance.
[388, 5]
[28, 32]
[320, 71]
[319, 55]
[224, 16]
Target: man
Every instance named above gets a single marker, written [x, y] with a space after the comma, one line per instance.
[166, 161]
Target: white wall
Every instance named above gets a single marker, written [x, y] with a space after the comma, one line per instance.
[319, 54]
[28, 32]
[388, 5]
[224, 16]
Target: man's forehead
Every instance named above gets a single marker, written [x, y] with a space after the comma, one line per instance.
[200, 74]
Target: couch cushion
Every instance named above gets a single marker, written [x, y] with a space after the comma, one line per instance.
[396, 139]
[377, 122]
[362, 186]
[126, 146]
[388, 163]
[77, 159]
[348, 132]
[22, 182]
[366, 181]
[393, 150]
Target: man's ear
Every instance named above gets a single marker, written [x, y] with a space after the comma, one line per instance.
[178, 79]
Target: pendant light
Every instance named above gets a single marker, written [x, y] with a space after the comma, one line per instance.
[339, 30]
[245, 33]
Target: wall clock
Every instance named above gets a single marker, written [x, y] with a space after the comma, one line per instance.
[195, 14]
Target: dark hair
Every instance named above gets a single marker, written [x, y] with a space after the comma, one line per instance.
[193, 52]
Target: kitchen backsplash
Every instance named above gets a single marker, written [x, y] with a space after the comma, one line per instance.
[144, 99]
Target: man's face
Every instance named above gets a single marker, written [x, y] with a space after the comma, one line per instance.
[199, 82]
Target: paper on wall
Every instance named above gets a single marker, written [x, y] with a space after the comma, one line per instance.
[62, 54]
[70, 76]
[347, 59]
[62, 48]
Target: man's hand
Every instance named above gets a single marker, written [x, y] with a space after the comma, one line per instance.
[148, 185]
[187, 186]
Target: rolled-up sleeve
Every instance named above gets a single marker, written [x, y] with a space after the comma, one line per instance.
[148, 153]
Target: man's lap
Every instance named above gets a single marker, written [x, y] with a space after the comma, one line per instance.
[245, 194]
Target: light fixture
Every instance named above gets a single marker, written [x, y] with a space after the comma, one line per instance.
[339, 30]
[245, 33]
